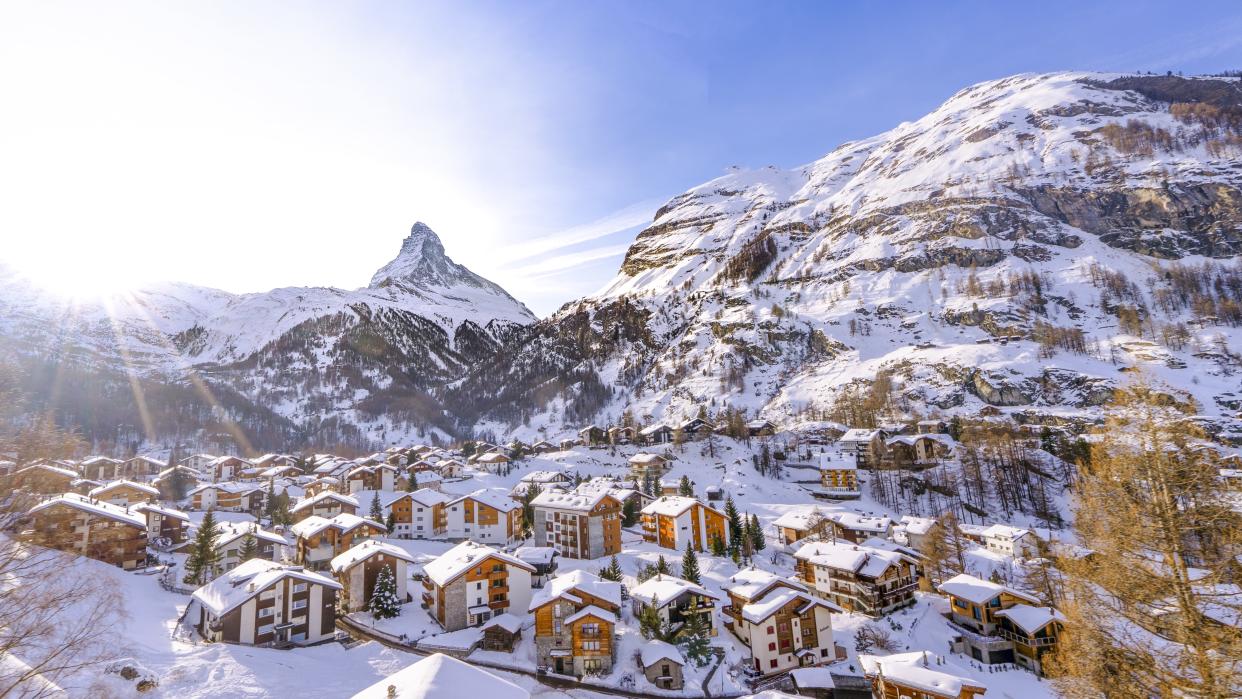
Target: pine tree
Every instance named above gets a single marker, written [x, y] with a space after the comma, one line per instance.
[661, 565]
[411, 482]
[735, 527]
[1164, 537]
[685, 488]
[384, 603]
[718, 547]
[690, 565]
[696, 640]
[612, 571]
[377, 511]
[649, 622]
[630, 513]
[249, 549]
[391, 522]
[269, 503]
[756, 534]
[200, 565]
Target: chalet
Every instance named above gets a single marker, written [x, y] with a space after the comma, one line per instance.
[449, 468]
[673, 521]
[166, 527]
[914, 531]
[760, 428]
[643, 465]
[87, 527]
[358, 568]
[101, 468]
[422, 479]
[320, 485]
[42, 478]
[932, 426]
[838, 474]
[544, 480]
[697, 428]
[870, 580]
[917, 675]
[492, 461]
[326, 504]
[83, 486]
[438, 676]
[676, 601]
[543, 559]
[857, 528]
[576, 616]
[662, 664]
[566, 444]
[623, 493]
[187, 475]
[264, 603]
[198, 462]
[420, 514]
[229, 497]
[226, 468]
[974, 604]
[655, 434]
[125, 493]
[379, 476]
[867, 446]
[470, 583]
[1034, 632]
[1007, 540]
[501, 633]
[919, 448]
[271, 473]
[781, 624]
[592, 435]
[142, 467]
[620, 435]
[578, 525]
[485, 516]
[318, 540]
[801, 523]
[542, 447]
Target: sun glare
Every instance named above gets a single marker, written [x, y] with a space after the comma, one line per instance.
[79, 283]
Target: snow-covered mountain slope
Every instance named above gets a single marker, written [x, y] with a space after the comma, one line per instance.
[364, 357]
[1018, 247]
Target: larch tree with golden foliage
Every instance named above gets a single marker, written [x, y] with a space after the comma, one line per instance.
[1152, 610]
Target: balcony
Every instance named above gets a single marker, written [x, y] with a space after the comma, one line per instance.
[1044, 642]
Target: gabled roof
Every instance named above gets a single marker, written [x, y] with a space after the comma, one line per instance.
[777, 599]
[592, 611]
[94, 507]
[546, 477]
[235, 587]
[674, 505]
[1030, 618]
[439, 676]
[67, 473]
[752, 583]
[100, 460]
[228, 532]
[663, 589]
[858, 434]
[96, 492]
[557, 500]
[343, 522]
[915, 670]
[456, 561]
[654, 651]
[563, 587]
[423, 496]
[978, 590]
[322, 496]
[495, 499]
[159, 509]
[365, 550]
[643, 458]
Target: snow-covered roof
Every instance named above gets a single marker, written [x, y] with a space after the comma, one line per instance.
[492, 457]
[663, 589]
[545, 477]
[425, 497]
[277, 470]
[495, 499]
[858, 522]
[1030, 618]
[322, 496]
[342, 522]
[813, 678]
[228, 532]
[233, 588]
[757, 611]
[100, 460]
[365, 550]
[674, 505]
[439, 676]
[536, 555]
[96, 492]
[838, 461]
[642, 458]
[592, 611]
[914, 670]
[978, 590]
[159, 509]
[232, 487]
[557, 500]
[910, 439]
[509, 622]
[457, 560]
[799, 519]
[67, 473]
[563, 586]
[652, 429]
[94, 507]
[654, 651]
[752, 583]
[917, 525]
[858, 435]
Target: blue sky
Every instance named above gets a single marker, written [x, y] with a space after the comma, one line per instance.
[252, 145]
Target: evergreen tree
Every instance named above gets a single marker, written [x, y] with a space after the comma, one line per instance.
[747, 548]
[718, 547]
[391, 521]
[270, 503]
[612, 571]
[690, 565]
[249, 549]
[756, 534]
[200, 565]
[685, 488]
[661, 565]
[384, 603]
[735, 526]
[649, 622]
[528, 508]
[649, 486]
[411, 481]
[630, 513]
[377, 511]
[695, 640]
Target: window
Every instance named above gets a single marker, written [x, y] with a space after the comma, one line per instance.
[264, 630]
[299, 587]
[772, 662]
[591, 629]
[771, 646]
[771, 630]
[590, 645]
[266, 612]
[299, 604]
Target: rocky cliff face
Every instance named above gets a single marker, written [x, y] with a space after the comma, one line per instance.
[298, 365]
[1014, 248]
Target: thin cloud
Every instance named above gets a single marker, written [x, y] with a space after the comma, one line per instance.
[560, 263]
[631, 216]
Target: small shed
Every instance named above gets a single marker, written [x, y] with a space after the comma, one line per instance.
[662, 663]
[501, 633]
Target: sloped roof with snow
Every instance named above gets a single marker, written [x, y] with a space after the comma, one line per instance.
[160, 509]
[653, 651]
[663, 589]
[457, 560]
[235, 587]
[563, 586]
[322, 496]
[674, 505]
[752, 583]
[123, 483]
[914, 670]
[365, 550]
[558, 500]
[1030, 618]
[592, 611]
[978, 590]
[94, 507]
[495, 499]
[440, 676]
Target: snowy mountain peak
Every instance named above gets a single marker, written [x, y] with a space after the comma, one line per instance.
[422, 263]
